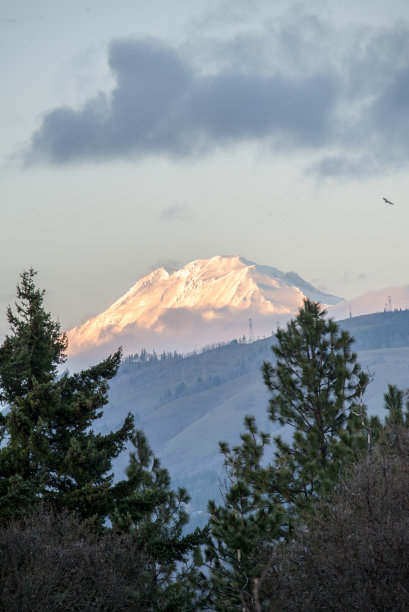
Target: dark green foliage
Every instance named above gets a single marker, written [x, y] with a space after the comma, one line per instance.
[52, 458]
[394, 405]
[244, 530]
[341, 475]
[35, 348]
[316, 389]
[156, 515]
[50, 453]
[391, 435]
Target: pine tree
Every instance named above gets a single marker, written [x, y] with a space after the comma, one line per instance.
[49, 451]
[52, 459]
[316, 389]
[393, 431]
[393, 399]
[156, 515]
[244, 530]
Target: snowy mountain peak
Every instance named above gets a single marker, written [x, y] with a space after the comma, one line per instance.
[206, 301]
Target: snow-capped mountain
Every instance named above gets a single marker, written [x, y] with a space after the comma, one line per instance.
[206, 301]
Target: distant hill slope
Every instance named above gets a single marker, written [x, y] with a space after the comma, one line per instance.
[186, 405]
[194, 399]
[388, 298]
[379, 330]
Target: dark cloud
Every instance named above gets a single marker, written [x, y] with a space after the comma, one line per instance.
[241, 107]
[348, 106]
[160, 106]
[371, 131]
[380, 140]
[390, 112]
[346, 164]
[138, 117]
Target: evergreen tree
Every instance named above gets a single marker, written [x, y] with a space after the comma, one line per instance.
[244, 530]
[393, 399]
[316, 388]
[49, 452]
[51, 457]
[156, 515]
[391, 433]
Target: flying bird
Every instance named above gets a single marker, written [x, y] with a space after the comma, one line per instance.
[388, 201]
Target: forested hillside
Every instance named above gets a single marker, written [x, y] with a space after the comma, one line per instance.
[379, 330]
[250, 550]
[186, 404]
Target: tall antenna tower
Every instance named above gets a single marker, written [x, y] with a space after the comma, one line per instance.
[390, 303]
[251, 334]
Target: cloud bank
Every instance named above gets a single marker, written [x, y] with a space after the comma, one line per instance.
[347, 105]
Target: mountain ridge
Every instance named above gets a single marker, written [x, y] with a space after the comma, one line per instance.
[205, 301]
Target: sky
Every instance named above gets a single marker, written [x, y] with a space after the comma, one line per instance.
[144, 133]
